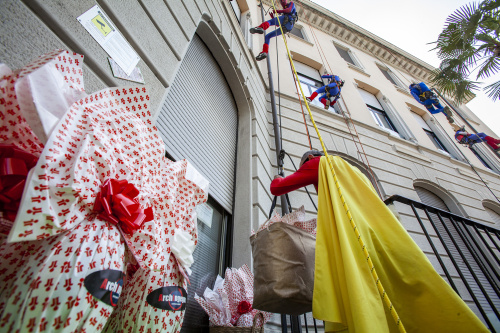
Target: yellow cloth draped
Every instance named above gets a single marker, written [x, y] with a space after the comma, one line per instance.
[345, 294]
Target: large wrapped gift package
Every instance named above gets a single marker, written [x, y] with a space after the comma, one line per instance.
[101, 198]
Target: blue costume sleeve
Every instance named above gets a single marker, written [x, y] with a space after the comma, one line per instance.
[326, 76]
[337, 78]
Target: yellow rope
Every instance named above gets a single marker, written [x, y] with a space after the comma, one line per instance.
[378, 283]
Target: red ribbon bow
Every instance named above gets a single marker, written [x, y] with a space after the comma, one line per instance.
[116, 204]
[243, 307]
[14, 166]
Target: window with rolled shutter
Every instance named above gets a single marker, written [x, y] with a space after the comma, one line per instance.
[199, 122]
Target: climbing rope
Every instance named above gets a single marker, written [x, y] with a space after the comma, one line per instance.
[348, 120]
[385, 297]
[437, 121]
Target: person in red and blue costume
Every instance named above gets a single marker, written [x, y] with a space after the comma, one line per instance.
[287, 21]
[307, 174]
[463, 137]
[333, 89]
[428, 98]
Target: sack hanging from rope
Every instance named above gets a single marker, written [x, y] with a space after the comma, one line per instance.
[283, 257]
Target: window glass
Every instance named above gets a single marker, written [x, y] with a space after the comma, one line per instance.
[480, 158]
[381, 118]
[207, 264]
[297, 32]
[435, 140]
[236, 9]
[388, 76]
[345, 54]
[309, 86]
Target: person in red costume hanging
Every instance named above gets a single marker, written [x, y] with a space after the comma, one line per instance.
[463, 137]
[307, 174]
[287, 21]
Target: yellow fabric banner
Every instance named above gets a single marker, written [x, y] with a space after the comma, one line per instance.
[345, 294]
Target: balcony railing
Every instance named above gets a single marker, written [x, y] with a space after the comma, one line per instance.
[464, 252]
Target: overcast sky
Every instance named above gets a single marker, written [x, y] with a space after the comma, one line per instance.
[412, 26]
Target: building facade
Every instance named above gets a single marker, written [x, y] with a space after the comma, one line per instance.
[212, 104]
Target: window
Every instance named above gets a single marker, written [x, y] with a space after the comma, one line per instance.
[381, 118]
[297, 31]
[430, 134]
[345, 54]
[310, 80]
[349, 56]
[377, 111]
[479, 157]
[236, 9]
[435, 140]
[389, 75]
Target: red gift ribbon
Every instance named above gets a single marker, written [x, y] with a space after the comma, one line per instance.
[14, 166]
[243, 307]
[116, 204]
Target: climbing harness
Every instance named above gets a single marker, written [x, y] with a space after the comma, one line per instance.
[383, 294]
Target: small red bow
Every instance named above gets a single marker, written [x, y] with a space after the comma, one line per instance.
[14, 166]
[116, 204]
[243, 307]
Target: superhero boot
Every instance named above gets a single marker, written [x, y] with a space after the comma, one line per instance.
[313, 96]
[263, 54]
[260, 29]
[448, 115]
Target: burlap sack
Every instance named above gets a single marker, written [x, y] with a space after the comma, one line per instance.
[283, 258]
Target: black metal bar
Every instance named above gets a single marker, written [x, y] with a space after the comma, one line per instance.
[420, 205]
[471, 271]
[284, 328]
[315, 326]
[473, 253]
[492, 240]
[296, 326]
[438, 256]
[305, 323]
[483, 255]
[493, 254]
[457, 267]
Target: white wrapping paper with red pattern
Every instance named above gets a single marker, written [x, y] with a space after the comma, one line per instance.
[34, 98]
[108, 134]
[296, 218]
[236, 288]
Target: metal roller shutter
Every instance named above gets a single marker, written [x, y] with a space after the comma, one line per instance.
[431, 199]
[199, 120]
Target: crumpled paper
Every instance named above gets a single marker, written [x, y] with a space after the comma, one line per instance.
[223, 301]
[296, 218]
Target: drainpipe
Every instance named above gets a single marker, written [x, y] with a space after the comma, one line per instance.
[277, 134]
[296, 326]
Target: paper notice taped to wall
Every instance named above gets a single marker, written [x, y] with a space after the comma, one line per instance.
[112, 41]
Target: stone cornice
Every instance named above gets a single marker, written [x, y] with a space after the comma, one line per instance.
[351, 34]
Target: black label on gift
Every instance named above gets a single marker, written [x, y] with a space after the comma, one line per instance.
[172, 298]
[105, 285]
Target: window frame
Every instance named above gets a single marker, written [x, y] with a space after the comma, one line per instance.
[395, 80]
[316, 102]
[355, 61]
[435, 140]
[374, 111]
[302, 32]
